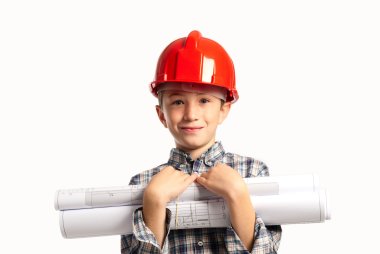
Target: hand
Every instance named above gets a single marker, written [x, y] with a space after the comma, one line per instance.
[167, 185]
[164, 187]
[224, 181]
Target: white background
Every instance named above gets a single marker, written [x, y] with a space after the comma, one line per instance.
[75, 109]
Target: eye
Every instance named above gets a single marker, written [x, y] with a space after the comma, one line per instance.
[204, 100]
[177, 102]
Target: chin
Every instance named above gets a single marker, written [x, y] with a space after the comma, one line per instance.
[194, 144]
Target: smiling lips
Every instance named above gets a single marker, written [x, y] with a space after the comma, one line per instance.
[191, 129]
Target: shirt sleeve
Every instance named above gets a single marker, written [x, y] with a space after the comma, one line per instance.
[267, 239]
[143, 240]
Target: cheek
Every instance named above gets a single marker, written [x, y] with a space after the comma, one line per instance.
[173, 117]
[213, 118]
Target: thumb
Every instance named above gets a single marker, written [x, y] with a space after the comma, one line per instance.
[193, 177]
[202, 181]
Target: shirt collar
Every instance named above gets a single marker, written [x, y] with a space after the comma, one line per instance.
[179, 158]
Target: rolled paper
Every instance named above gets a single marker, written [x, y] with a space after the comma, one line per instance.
[132, 194]
[287, 208]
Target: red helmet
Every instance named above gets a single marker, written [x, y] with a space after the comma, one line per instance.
[195, 59]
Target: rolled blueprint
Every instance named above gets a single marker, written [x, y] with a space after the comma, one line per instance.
[132, 195]
[287, 208]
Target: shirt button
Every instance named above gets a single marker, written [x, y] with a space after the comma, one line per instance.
[200, 243]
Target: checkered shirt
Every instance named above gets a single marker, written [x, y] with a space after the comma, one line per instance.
[201, 240]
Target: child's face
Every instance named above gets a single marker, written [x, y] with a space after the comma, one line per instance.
[192, 118]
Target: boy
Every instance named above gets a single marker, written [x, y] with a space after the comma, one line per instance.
[195, 86]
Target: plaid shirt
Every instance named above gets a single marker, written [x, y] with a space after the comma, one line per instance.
[201, 240]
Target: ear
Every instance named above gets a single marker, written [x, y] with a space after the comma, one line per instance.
[224, 110]
[161, 116]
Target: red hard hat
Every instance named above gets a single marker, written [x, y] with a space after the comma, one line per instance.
[195, 59]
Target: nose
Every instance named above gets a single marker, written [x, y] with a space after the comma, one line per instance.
[191, 112]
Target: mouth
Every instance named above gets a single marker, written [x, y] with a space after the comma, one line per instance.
[191, 129]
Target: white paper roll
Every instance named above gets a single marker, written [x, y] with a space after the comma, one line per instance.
[132, 195]
[288, 208]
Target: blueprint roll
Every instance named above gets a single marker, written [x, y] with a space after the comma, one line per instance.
[289, 208]
[275, 185]
[294, 208]
[96, 221]
[133, 194]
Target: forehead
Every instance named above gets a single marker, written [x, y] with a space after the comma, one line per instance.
[170, 93]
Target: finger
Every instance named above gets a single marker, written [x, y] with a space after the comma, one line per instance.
[191, 178]
[186, 182]
[205, 174]
[202, 181]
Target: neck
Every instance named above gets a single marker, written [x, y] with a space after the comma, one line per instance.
[195, 153]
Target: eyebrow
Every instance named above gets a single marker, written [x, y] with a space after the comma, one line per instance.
[178, 93]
